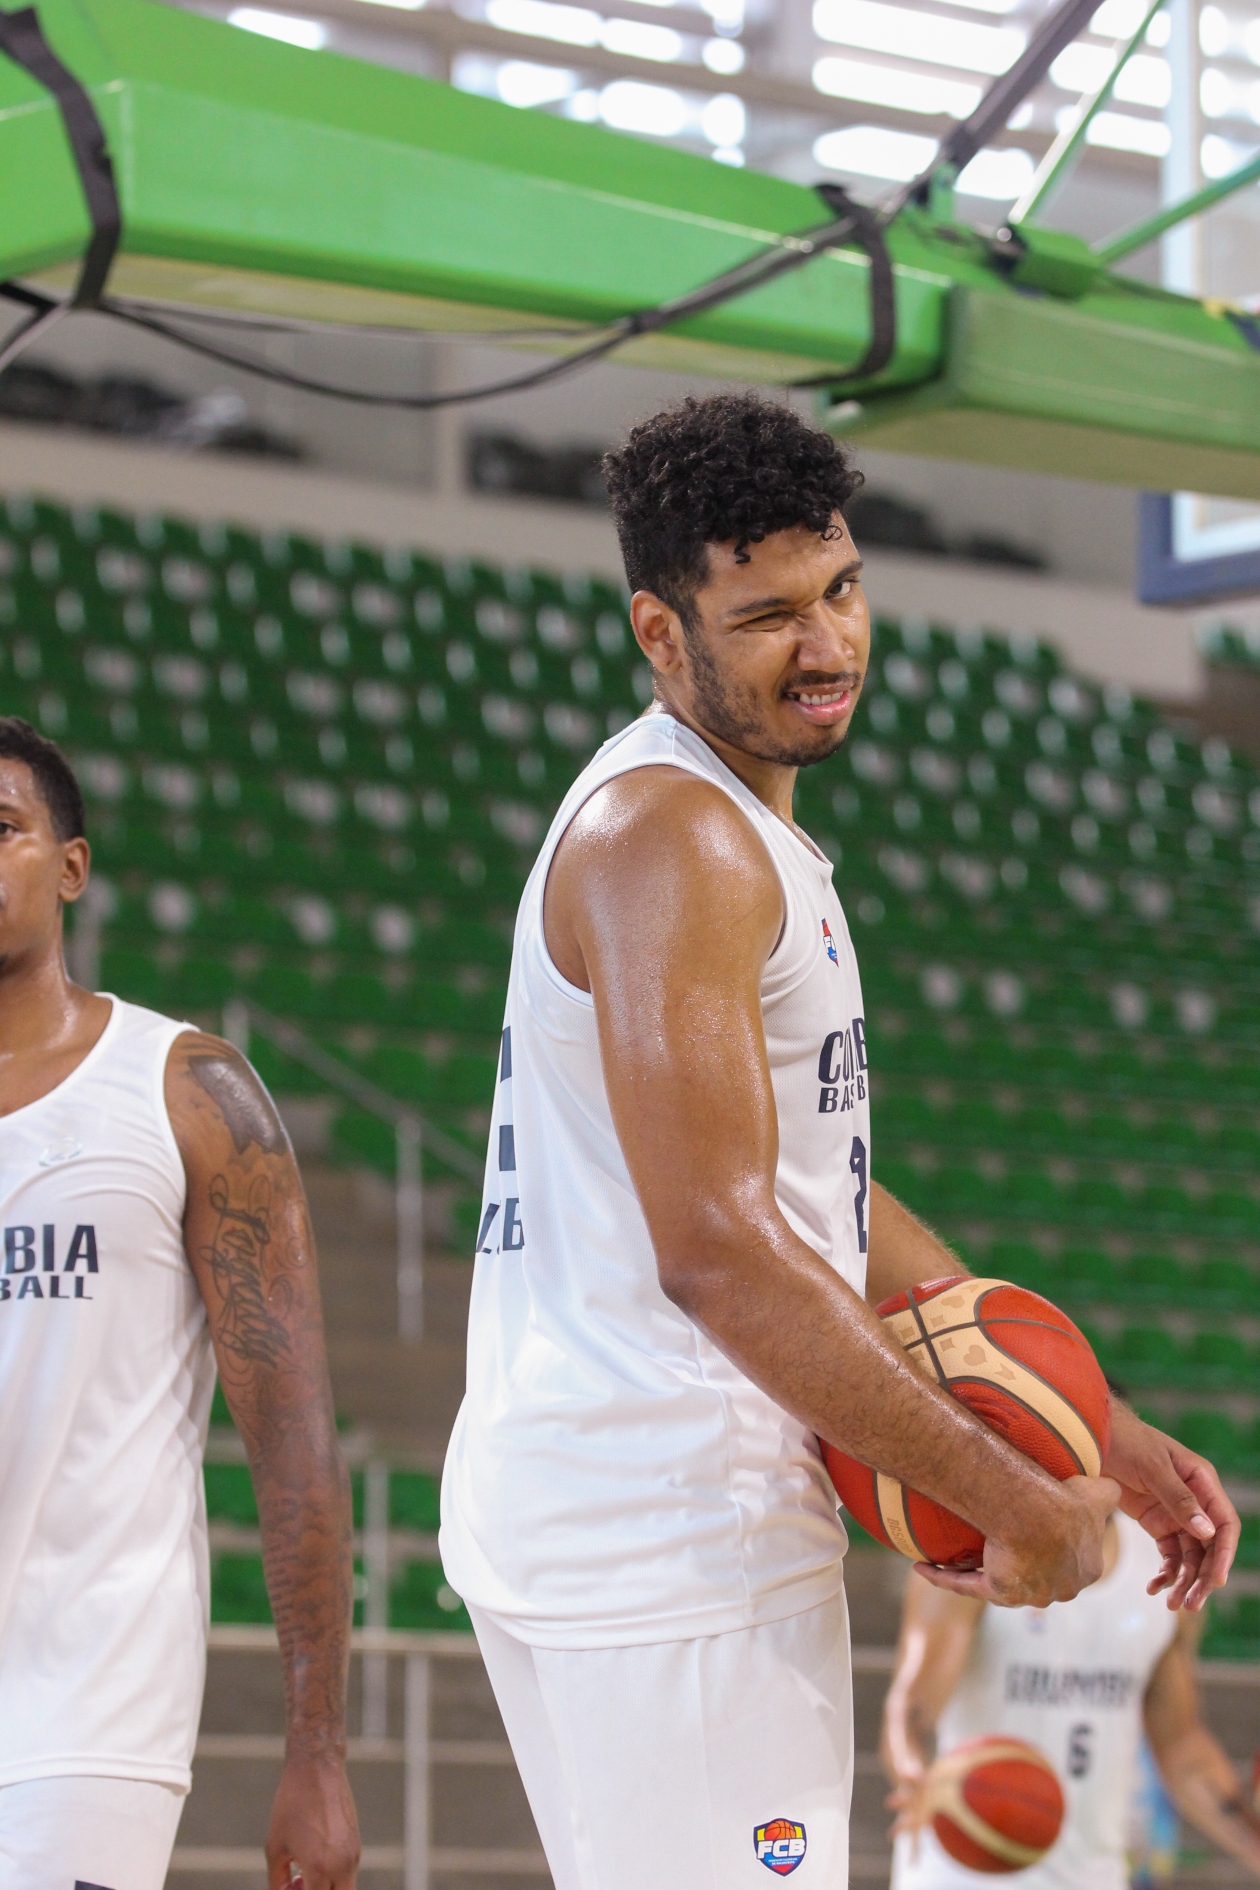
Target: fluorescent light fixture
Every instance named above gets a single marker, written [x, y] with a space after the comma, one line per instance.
[875, 151]
[1117, 131]
[1081, 68]
[309, 34]
[723, 120]
[723, 55]
[1215, 35]
[1220, 156]
[1000, 174]
[584, 106]
[545, 19]
[909, 34]
[726, 15]
[519, 82]
[888, 85]
[639, 40]
[628, 105]
[1218, 95]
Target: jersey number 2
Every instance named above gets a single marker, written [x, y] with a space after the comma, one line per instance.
[857, 1166]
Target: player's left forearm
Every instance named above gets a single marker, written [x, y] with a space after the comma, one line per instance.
[903, 1252]
[304, 1510]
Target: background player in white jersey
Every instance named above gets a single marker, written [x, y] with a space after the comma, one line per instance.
[681, 1239]
[152, 1210]
[1079, 1681]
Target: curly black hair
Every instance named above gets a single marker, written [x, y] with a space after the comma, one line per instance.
[731, 466]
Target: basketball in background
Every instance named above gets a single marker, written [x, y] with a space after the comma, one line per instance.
[1018, 1363]
[996, 1804]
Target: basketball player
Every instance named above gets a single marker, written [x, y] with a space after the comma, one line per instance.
[1079, 1682]
[153, 1221]
[681, 1238]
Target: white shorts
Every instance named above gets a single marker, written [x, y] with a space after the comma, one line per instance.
[689, 1765]
[87, 1833]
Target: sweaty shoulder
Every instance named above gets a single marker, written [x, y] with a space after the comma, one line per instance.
[654, 855]
[215, 1096]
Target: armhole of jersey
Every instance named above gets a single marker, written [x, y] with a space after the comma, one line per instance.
[553, 973]
[162, 1110]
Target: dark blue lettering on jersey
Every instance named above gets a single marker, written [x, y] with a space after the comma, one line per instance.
[1069, 1686]
[24, 1250]
[842, 1070]
[501, 1230]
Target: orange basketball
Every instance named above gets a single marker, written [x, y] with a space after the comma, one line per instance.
[1018, 1363]
[996, 1804]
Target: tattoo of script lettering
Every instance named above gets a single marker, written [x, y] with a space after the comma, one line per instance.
[250, 1326]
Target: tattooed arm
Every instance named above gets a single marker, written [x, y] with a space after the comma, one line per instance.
[249, 1242]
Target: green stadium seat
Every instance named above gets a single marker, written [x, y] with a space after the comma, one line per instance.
[202, 984]
[1154, 1280]
[1144, 1357]
[1232, 1215]
[421, 1599]
[1097, 1202]
[1215, 1436]
[901, 1179]
[413, 1501]
[1219, 1361]
[1163, 1208]
[230, 1494]
[1045, 1130]
[1086, 1273]
[1237, 1145]
[238, 1590]
[1224, 1285]
[1021, 1264]
[957, 1190]
[1031, 1197]
[134, 976]
[289, 992]
[1249, 1540]
[1233, 1629]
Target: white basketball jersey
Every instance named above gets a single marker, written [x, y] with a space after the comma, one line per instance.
[613, 1478]
[106, 1377]
[1071, 1680]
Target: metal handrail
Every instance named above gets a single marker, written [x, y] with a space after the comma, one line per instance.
[412, 1132]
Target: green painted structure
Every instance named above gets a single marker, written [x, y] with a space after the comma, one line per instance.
[258, 177]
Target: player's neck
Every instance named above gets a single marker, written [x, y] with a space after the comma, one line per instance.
[770, 781]
[41, 1012]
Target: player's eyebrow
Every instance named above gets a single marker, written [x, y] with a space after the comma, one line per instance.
[762, 604]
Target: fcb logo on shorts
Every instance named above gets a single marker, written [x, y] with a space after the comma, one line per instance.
[780, 1845]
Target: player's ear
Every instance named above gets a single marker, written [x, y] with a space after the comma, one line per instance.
[657, 631]
[76, 864]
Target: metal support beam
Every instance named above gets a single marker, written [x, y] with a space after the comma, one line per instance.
[416, 1834]
[375, 1680]
[1067, 147]
[1151, 228]
[409, 1216]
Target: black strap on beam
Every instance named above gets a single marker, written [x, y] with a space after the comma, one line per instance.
[22, 40]
[868, 233]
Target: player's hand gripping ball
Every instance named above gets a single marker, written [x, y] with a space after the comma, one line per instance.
[1018, 1363]
[996, 1804]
